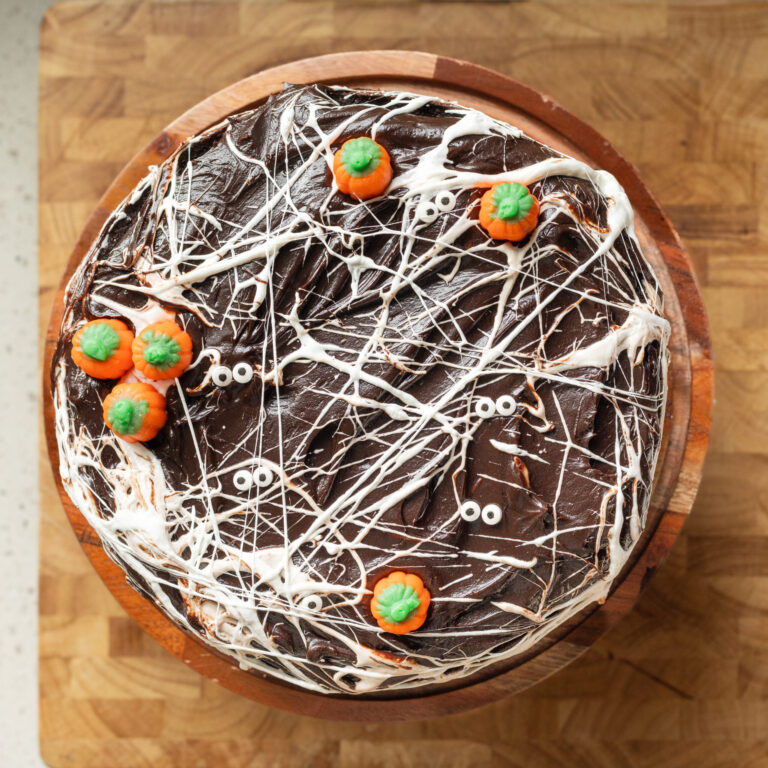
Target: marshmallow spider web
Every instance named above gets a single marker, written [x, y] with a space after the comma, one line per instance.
[376, 386]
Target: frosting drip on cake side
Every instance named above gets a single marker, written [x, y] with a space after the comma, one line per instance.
[404, 369]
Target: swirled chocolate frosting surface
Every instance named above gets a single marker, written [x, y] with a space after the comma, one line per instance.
[402, 366]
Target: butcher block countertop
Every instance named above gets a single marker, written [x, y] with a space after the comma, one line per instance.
[682, 90]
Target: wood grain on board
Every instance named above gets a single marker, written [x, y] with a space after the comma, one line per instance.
[676, 88]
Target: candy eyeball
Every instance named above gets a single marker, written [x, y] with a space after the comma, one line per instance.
[505, 405]
[469, 511]
[445, 201]
[242, 373]
[222, 376]
[491, 514]
[263, 476]
[426, 211]
[312, 603]
[243, 479]
[485, 407]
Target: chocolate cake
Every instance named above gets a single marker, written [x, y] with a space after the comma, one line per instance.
[379, 391]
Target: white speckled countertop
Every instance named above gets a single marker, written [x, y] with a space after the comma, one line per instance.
[19, 387]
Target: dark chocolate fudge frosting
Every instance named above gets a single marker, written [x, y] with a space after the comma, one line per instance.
[386, 370]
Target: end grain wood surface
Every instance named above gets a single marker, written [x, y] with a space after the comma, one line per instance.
[678, 89]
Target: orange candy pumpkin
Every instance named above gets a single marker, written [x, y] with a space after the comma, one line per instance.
[400, 602]
[102, 348]
[362, 168]
[508, 211]
[162, 351]
[135, 411]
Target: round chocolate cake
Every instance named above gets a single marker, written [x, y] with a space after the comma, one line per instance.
[417, 422]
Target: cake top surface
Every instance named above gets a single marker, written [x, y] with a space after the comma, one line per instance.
[376, 387]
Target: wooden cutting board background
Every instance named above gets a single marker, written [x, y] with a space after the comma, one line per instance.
[682, 90]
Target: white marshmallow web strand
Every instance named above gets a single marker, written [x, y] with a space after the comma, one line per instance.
[282, 580]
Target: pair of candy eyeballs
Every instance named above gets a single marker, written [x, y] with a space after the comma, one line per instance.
[505, 405]
[428, 211]
[261, 477]
[471, 511]
[223, 376]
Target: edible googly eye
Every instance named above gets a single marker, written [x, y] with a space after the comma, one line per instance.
[485, 407]
[311, 603]
[445, 201]
[469, 511]
[491, 514]
[243, 479]
[222, 376]
[505, 405]
[426, 211]
[263, 476]
[242, 373]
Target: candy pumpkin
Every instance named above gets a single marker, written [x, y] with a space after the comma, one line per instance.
[508, 211]
[362, 168]
[400, 602]
[102, 348]
[134, 411]
[162, 351]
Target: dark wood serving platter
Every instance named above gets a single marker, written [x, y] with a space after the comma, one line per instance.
[688, 419]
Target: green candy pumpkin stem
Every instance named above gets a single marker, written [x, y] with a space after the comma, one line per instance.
[360, 156]
[127, 416]
[398, 602]
[162, 352]
[512, 202]
[99, 341]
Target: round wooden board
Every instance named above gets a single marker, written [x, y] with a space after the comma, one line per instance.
[687, 425]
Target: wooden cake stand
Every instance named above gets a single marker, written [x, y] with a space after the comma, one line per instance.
[686, 430]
